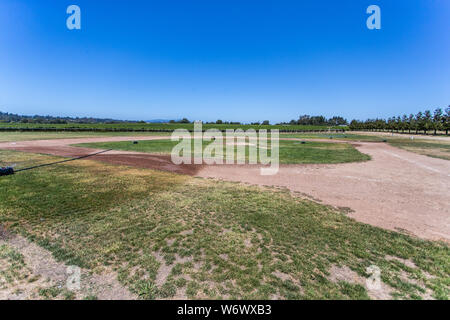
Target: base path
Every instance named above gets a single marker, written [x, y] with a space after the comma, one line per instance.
[396, 190]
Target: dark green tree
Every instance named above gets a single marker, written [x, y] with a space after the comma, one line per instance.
[437, 120]
[428, 122]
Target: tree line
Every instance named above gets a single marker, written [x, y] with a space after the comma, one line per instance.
[318, 121]
[426, 121]
[12, 117]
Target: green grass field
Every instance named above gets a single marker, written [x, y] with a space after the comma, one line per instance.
[289, 151]
[216, 239]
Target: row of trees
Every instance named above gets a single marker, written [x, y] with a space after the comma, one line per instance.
[426, 121]
[318, 121]
[185, 120]
[222, 122]
[302, 120]
[12, 117]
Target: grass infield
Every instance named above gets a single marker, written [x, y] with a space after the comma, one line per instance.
[290, 152]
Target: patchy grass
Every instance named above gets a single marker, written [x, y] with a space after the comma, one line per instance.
[18, 281]
[331, 136]
[168, 235]
[12, 267]
[293, 152]
[23, 136]
[432, 148]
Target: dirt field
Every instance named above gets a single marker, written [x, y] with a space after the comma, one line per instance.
[397, 190]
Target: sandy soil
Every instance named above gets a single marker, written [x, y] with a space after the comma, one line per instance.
[397, 190]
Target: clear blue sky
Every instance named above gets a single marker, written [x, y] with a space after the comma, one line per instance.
[228, 59]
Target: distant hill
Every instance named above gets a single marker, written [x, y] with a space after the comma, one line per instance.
[159, 121]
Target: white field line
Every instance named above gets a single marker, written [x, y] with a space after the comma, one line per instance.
[362, 178]
[416, 163]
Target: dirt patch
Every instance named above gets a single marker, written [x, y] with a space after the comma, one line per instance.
[406, 262]
[165, 270]
[17, 281]
[282, 276]
[51, 276]
[4, 235]
[286, 277]
[224, 256]
[155, 162]
[383, 292]
[344, 274]
[186, 232]
[427, 293]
